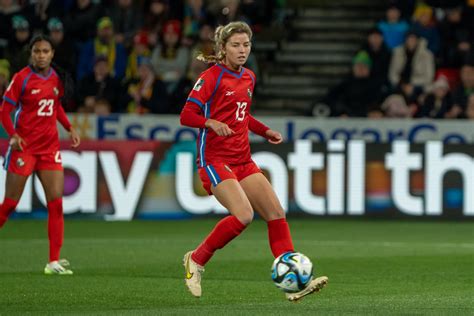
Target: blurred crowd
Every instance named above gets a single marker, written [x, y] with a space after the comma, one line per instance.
[126, 56]
[417, 62]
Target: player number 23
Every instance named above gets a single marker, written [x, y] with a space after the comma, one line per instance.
[240, 112]
[45, 107]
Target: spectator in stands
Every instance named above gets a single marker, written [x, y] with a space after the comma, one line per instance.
[462, 92]
[470, 107]
[18, 52]
[98, 85]
[80, 23]
[228, 11]
[437, 103]
[170, 59]
[147, 94]
[357, 95]
[406, 7]
[102, 107]
[37, 12]
[156, 15]
[4, 75]
[425, 27]
[380, 57]
[454, 38]
[395, 106]
[127, 18]
[64, 50]
[140, 50]
[195, 15]
[8, 9]
[178, 99]
[393, 28]
[103, 45]
[412, 64]
[204, 43]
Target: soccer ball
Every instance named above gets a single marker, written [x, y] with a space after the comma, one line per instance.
[292, 271]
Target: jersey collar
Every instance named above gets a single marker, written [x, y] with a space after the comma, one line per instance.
[40, 75]
[231, 72]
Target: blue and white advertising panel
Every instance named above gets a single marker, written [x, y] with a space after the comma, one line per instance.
[168, 128]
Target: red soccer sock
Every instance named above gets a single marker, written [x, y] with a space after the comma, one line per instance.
[6, 209]
[279, 236]
[225, 230]
[55, 228]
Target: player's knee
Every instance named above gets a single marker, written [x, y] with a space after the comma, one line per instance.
[246, 217]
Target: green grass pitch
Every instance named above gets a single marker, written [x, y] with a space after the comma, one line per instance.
[374, 268]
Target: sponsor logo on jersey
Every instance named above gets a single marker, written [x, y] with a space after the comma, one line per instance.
[56, 91]
[249, 93]
[19, 162]
[229, 93]
[198, 84]
[35, 91]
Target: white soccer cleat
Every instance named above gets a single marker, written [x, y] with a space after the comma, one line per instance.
[192, 276]
[58, 268]
[314, 286]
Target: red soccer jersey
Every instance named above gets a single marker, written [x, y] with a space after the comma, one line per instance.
[224, 95]
[36, 99]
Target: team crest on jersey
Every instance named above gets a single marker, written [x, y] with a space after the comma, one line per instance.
[249, 93]
[198, 84]
[56, 91]
[19, 162]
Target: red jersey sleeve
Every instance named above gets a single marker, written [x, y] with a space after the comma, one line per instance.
[6, 118]
[192, 116]
[63, 119]
[195, 112]
[13, 92]
[257, 127]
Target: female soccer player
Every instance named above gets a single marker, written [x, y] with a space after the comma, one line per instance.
[35, 93]
[219, 105]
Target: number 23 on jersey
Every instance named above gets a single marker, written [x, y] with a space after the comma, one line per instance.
[45, 107]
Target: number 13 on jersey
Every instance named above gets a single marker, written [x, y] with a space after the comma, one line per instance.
[240, 112]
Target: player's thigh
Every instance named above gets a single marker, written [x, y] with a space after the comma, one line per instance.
[231, 195]
[263, 199]
[14, 185]
[53, 183]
